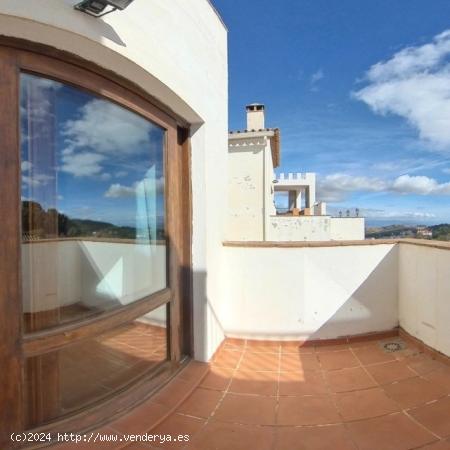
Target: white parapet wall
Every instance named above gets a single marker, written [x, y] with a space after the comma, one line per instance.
[299, 228]
[296, 179]
[273, 290]
[303, 292]
[424, 294]
[315, 228]
[347, 228]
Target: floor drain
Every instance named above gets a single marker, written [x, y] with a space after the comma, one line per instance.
[392, 347]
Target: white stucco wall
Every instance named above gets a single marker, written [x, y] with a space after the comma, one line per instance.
[347, 228]
[268, 186]
[299, 228]
[315, 228]
[424, 294]
[310, 293]
[246, 189]
[177, 52]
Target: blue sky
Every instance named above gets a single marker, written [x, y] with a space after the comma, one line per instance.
[361, 93]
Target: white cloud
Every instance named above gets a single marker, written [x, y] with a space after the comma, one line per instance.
[315, 78]
[102, 133]
[415, 84]
[117, 190]
[384, 214]
[148, 185]
[107, 129]
[408, 165]
[337, 187]
[100, 130]
[31, 177]
[36, 95]
[105, 176]
[26, 166]
[414, 184]
[421, 185]
[82, 164]
[36, 179]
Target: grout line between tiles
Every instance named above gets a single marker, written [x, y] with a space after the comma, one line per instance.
[333, 399]
[402, 410]
[245, 350]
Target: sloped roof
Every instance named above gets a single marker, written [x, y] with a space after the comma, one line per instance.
[272, 133]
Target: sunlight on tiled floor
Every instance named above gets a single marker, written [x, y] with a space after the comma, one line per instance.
[277, 396]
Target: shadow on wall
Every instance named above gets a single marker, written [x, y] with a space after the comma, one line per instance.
[101, 29]
[372, 307]
[310, 293]
[120, 273]
[206, 329]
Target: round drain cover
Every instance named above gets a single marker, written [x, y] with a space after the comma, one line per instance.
[392, 347]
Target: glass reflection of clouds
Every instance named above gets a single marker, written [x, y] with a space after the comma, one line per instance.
[93, 179]
[96, 152]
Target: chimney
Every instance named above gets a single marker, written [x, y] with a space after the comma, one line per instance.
[255, 116]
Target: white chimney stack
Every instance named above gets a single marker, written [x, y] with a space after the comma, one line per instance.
[255, 116]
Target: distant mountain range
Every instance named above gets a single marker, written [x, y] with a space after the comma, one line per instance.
[440, 232]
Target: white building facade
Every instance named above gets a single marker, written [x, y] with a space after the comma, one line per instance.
[252, 214]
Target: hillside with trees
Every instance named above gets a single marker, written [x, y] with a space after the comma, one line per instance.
[38, 223]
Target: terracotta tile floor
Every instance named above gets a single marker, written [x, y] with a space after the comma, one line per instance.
[275, 396]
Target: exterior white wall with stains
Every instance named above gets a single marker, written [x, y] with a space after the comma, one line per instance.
[248, 192]
[347, 229]
[310, 293]
[301, 228]
[315, 228]
[424, 294]
[251, 199]
[269, 191]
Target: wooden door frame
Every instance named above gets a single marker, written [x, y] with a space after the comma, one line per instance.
[11, 360]
[15, 56]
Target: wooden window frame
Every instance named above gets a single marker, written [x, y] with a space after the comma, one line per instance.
[18, 56]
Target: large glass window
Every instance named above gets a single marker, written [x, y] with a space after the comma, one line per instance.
[93, 212]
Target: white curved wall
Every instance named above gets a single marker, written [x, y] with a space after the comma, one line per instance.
[174, 50]
[177, 52]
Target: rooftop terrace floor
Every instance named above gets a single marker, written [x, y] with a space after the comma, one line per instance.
[277, 396]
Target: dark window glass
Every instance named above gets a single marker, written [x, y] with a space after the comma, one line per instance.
[64, 381]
